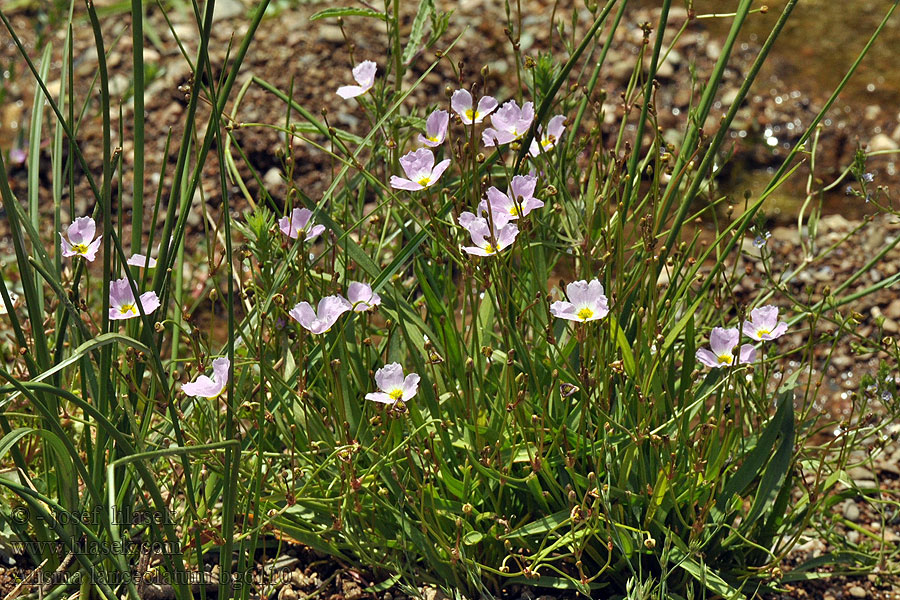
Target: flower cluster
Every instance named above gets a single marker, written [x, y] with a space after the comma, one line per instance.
[491, 230]
[80, 241]
[319, 320]
[762, 326]
[508, 124]
[360, 298]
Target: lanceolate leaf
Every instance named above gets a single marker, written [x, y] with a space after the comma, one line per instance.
[417, 34]
[333, 13]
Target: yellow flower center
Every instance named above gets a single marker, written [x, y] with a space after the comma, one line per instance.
[725, 359]
[762, 332]
[128, 308]
[514, 210]
[547, 142]
[471, 114]
[424, 181]
[80, 248]
[432, 138]
[585, 313]
[396, 394]
[490, 248]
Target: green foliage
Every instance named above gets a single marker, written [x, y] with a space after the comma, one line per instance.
[333, 13]
[596, 457]
[546, 71]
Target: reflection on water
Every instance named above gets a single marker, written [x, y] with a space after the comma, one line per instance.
[820, 41]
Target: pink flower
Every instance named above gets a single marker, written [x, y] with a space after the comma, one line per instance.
[723, 341]
[548, 138]
[393, 386]
[364, 74]
[140, 260]
[420, 169]
[586, 302]
[122, 304]
[461, 103]
[763, 324]
[435, 128]
[205, 387]
[480, 231]
[329, 309]
[509, 123]
[81, 240]
[518, 201]
[362, 297]
[298, 222]
[18, 156]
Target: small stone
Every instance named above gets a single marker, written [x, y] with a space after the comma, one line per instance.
[273, 179]
[228, 9]
[118, 85]
[730, 96]
[433, 594]
[331, 34]
[151, 55]
[862, 472]
[287, 593]
[786, 234]
[882, 142]
[857, 592]
[352, 591]
[851, 511]
[666, 70]
[893, 309]
[834, 223]
[284, 563]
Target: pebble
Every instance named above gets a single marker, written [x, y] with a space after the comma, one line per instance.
[330, 33]
[863, 473]
[730, 96]
[118, 85]
[893, 309]
[858, 592]
[352, 591]
[429, 593]
[273, 179]
[227, 9]
[882, 142]
[287, 593]
[851, 511]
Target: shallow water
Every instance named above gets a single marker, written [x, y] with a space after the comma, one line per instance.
[820, 42]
